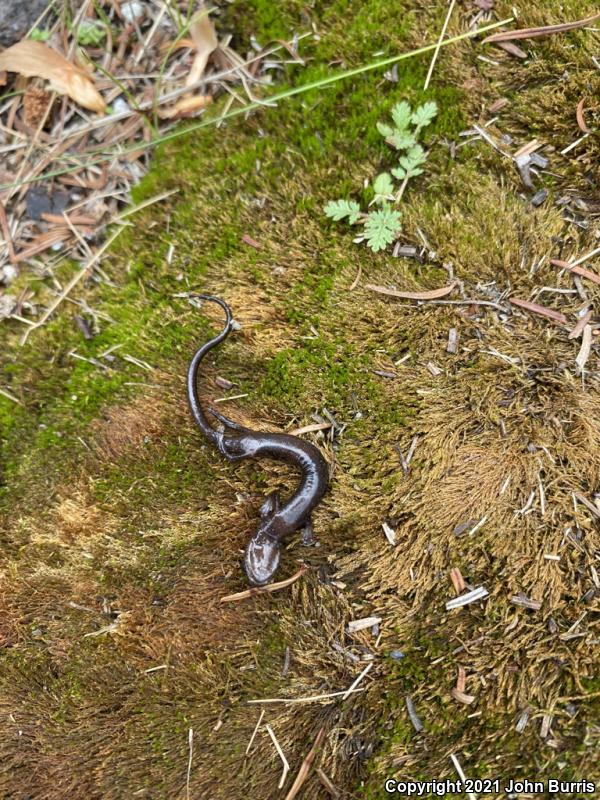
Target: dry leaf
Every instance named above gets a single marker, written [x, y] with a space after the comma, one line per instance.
[31, 59]
[434, 294]
[205, 41]
[186, 106]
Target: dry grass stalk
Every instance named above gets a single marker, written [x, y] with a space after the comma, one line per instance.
[284, 761]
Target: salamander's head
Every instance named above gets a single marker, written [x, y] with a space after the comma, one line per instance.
[262, 556]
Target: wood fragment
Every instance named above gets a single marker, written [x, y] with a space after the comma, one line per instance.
[304, 770]
[434, 294]
[580, 118]
[284, 761]
[525, 602]
[462, 697]
[412, 713]
[390, 533]
[535, 308]
[465, 599]
[586, 347]
[461, 775]
[583, 321]
[457, 580]
[452, 345]
[545, 726]
[546, 30]
[360, 624]
[329, 786]
[258, 590]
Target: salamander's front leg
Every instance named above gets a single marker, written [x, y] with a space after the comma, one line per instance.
[271, 505]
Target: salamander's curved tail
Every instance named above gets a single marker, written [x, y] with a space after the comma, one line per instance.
[192, 389]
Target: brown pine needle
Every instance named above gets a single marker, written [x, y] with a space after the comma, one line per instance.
[257, 590]
[304, 770]
[546, 30]
[535, 308]
[433, 294]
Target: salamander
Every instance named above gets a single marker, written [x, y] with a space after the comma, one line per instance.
[236, 442]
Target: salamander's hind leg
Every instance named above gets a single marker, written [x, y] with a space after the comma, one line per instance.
[271, 505]
[229, 423]
[308, 534]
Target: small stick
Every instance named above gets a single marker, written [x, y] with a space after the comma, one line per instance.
[286, 766]
[255, 731]
[433, 294]
[304, 770]
[439, 44]
[272, 587]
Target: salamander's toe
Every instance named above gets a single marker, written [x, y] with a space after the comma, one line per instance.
[261, 559]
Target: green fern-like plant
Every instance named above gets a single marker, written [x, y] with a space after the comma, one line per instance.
[382, 224]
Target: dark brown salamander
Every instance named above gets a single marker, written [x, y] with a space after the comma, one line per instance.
[236, 442]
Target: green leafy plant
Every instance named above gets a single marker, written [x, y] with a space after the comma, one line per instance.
[382, 224]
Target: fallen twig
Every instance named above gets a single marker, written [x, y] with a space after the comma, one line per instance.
[257, 590]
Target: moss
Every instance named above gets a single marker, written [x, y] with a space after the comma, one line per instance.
[115, 508]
